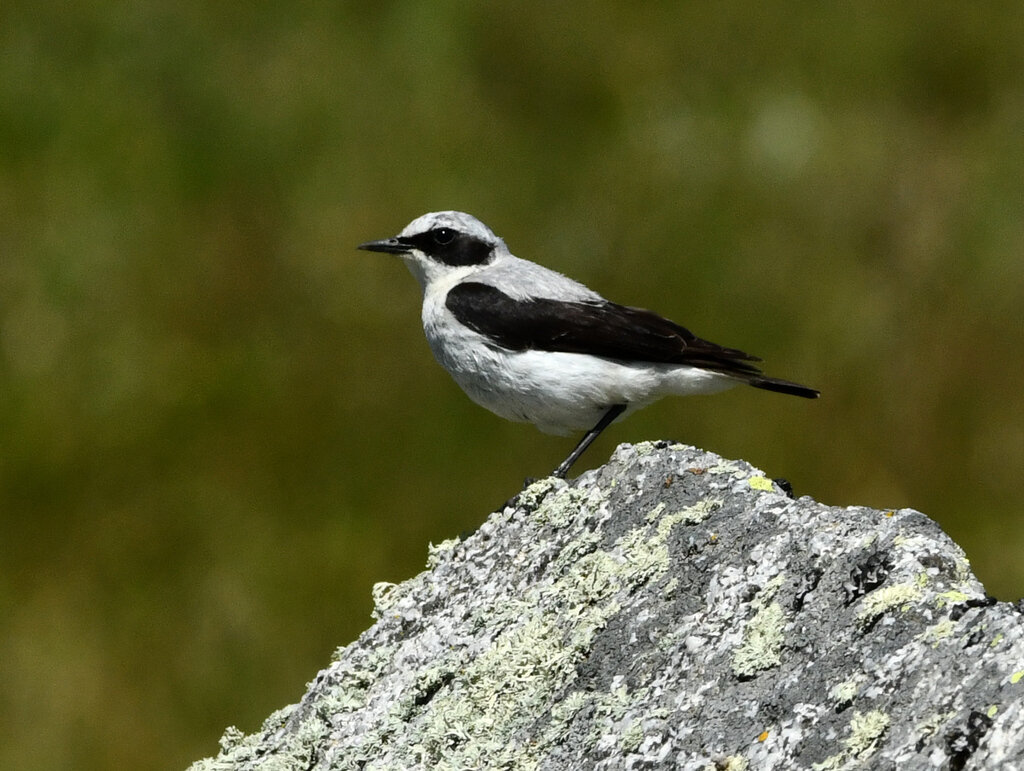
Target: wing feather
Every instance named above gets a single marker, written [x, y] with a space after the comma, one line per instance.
[598, 328]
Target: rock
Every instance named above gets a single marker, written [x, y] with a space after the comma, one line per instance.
[670, 609]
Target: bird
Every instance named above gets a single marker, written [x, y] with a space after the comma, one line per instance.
[534, 346]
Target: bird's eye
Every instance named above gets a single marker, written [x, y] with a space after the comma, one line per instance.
[443, 236]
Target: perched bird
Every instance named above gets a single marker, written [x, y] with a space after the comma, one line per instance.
[534, 346]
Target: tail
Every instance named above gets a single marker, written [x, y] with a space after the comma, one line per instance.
[784, 387]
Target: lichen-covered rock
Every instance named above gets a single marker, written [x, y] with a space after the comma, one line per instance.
[670, 609]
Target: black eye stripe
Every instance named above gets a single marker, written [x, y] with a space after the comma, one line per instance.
[451, 247]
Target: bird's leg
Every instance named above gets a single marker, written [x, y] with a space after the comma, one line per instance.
[613, 412]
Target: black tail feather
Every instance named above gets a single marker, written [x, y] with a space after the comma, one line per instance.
[784, 387]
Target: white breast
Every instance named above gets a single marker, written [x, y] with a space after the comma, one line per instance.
[558, 392]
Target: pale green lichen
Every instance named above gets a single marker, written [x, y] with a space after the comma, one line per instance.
[963, 570]
[237, 749]
[632, 736]
[669, 589]
[761, 646]
[886, 598]
[559, 510]
[871, 538]
[567, 709]
[831, 763]
[866, 732]
[726, 467]
[767, 592]
[761, 483]
[644, 448]
[698, 512]
[385, 596]
[610, 723]
[495, 693]
[729, 763]
[933, 723]
[762, 642]
[938, 632]
[536, 492]
[477, 705]
[951, 597]
[231, 739]
[647, 552]
[656, 512]
[467, 707]
[437, 553]
[846, 691]
[605, 711]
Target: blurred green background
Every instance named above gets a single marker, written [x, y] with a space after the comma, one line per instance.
[219, 422]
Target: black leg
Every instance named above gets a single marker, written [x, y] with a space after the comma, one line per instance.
[588, 438]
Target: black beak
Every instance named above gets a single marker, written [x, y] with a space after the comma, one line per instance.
[388, 245]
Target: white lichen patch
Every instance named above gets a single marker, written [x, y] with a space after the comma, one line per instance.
[761, 647]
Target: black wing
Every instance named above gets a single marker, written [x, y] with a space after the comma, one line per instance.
[600, 328]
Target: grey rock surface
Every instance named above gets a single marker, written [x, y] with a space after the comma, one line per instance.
[670, 609]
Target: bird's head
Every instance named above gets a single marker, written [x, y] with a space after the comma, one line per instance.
[441, 244]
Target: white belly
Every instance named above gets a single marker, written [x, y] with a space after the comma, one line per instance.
[557, 392]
